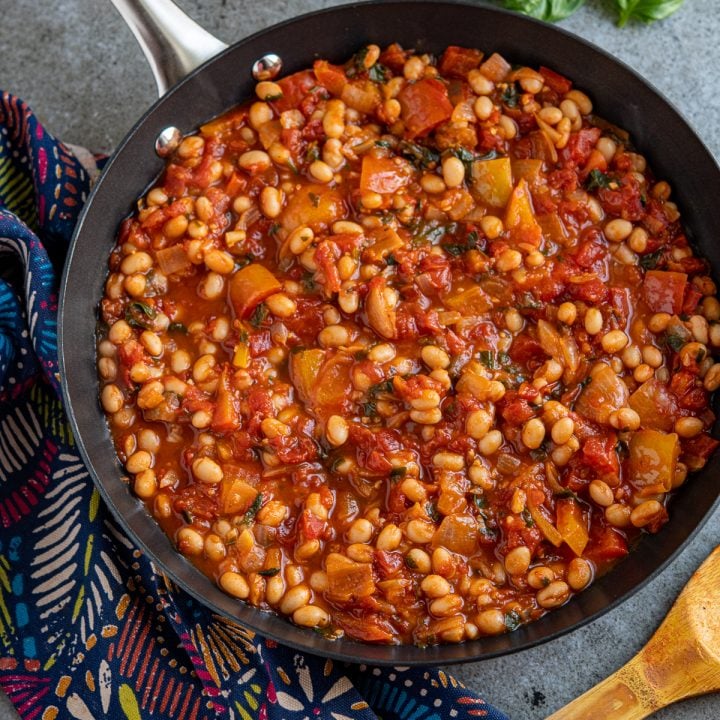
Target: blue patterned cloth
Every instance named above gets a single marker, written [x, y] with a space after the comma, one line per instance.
[89, 628]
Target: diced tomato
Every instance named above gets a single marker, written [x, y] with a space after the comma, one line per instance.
[518, 532]
[599, 453]
[620, 303]
[310, 525]
[515, 411]
[524, 349]
[459, 61]
[294, 88]
[132, 352]
[326, 257]
[701, 446]
[589, 252]
[579, 146]
[606, 545]
[176, 179]
[370, 628]
[592, 291]
[387, 563]
[625, 201]
[195, 501]
[331, 77]
[393, 57]
[691, 299]
[555, 81]
[664, 291]
[425, 105]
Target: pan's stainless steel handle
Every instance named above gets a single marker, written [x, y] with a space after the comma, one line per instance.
[172, 42]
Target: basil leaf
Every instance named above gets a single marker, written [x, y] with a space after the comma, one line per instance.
[645, 10]
[548, 10]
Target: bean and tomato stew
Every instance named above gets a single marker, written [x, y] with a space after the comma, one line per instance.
[408, 349]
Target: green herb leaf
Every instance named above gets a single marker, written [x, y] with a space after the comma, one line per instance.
[596, 180]
[480, 501]
[510, 95]
[645, 10]
[314, 199]
[378, 73]
[528, 301]
[178, 327]
[188, 517]
[432, 512]
[513, 620]
[674, 342]
[410, 563]
[398, 473]
[649, 261]
[458, 248]
[539, 454]
[259, 315]
[308, 282]
[313, 152]
[548, 10]
[138, 314]
[527, 517]
[487, 358]
[252, 511]
[428, 232]
[419, 155]
[381, 388]
[270, 572]
[358, 62]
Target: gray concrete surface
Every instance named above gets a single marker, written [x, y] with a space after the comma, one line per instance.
[79, 68]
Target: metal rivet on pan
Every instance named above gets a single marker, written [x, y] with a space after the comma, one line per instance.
[267, 67]
[167, 141]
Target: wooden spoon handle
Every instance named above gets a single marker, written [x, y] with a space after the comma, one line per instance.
[619, 697]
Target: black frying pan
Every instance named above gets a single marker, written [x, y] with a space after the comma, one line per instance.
[620, 96]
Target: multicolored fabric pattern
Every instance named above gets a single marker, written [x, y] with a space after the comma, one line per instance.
[89, 628]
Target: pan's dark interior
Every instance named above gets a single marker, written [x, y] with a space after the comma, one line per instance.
[619, 95]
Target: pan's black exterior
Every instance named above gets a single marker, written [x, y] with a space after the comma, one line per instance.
[619, 95]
